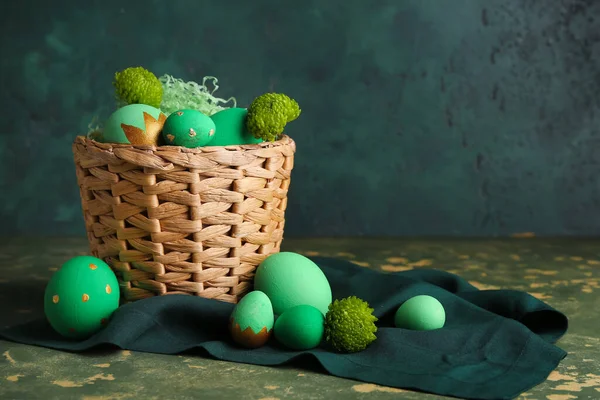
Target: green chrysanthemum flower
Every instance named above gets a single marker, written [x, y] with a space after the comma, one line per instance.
[268, 115]
[137, 85]
[350, 325]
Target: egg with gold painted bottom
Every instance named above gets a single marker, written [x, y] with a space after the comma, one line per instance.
[81, 297]
[137, 124]
[251, 321]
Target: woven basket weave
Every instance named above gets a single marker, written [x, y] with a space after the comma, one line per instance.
[172, 220]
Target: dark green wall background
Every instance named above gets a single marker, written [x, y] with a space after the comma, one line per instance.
[420, 117]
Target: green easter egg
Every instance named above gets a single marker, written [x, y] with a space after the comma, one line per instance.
[290, 279]
[421, 313]
[251, 321]
[81, 297]
[231, 128]
[300, 327]
[137, 124]
[188, 128]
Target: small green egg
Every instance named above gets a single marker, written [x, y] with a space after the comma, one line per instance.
[300, 327]
[291, 279]
[251, 321]
[231, 128]
[137, 124]
[421, 313]
[81, 297]
[188, 128]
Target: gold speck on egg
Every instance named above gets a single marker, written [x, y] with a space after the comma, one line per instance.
[180, 113]
[85, 297]
[192, 132]
[211, 132]
[103, 321]
[55, 299]
[108, 289]
[72, 330]
[170, 137]
[93, 266]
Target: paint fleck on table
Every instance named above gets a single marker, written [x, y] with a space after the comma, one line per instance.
[563, 272]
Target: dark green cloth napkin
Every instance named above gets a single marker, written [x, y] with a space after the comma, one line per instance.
[496, 344]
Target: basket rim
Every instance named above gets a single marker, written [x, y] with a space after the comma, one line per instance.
[167, 158]
[284, 140]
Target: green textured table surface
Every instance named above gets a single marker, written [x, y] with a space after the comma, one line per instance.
[563, 272]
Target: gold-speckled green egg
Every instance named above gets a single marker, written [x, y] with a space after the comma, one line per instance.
[231, 128]
[81, 297]
[137, 124]
[188, 128]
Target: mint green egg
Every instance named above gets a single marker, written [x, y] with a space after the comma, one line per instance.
[421, 313]
[251, 321]
[300, 327]
[137, 124]
[231, 128]
[188, 128]
[291, 279]
[81, 297]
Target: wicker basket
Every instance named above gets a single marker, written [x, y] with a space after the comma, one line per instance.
[172, 220]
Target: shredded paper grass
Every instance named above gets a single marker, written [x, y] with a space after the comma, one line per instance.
[179, 95]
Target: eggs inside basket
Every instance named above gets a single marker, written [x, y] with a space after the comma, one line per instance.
[167, 111]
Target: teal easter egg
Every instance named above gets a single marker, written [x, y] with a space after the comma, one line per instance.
[251, 321]
[290, 279]
[188, 128]
[231, 128]
[81, 297]
[422, 313]
[300, 327]
[137, 124]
